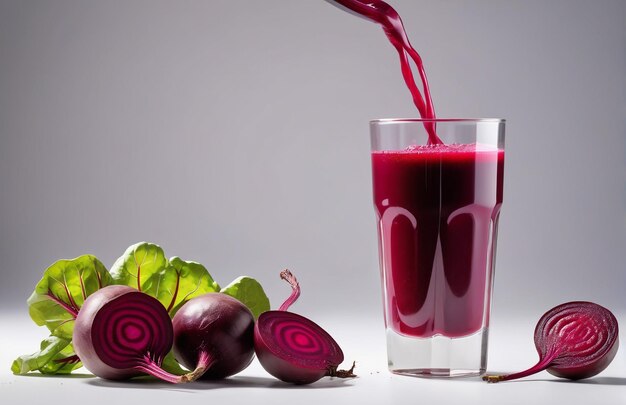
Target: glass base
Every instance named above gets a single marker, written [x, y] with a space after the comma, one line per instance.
[438, 356]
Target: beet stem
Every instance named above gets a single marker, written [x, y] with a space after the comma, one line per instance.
[148, 366]
[72, 310]
[204, 363]
[176, 288]
[68, 360]
[293, 282]
[333, 372]
[543, 364]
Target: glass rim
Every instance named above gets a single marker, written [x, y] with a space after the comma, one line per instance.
[421, 120]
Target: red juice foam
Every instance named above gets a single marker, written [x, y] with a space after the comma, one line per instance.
[437, 208]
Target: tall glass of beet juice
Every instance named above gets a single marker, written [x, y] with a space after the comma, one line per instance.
[437, 206]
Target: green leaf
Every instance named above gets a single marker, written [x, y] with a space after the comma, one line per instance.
[249, 291]
[57, 298]
[60, 293]
[46, 359]
[171, 365]
[182, 281]
[144, 267]
[140, 267]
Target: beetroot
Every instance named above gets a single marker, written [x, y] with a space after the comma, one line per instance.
[213, 336]
[574, 340]
[121, 333]
[293, 348]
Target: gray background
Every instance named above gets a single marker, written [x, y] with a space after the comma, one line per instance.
[235, 133]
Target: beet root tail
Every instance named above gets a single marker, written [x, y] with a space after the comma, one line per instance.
[150, 367]
[543, 364]
[343, 373]
[204, 363]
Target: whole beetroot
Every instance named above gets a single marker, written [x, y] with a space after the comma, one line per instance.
[213, 336]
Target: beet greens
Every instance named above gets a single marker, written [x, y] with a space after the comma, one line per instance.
[55, 303]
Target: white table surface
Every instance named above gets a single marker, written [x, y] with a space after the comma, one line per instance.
[362, 339]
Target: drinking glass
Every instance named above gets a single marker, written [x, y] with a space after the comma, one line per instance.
[437, 207]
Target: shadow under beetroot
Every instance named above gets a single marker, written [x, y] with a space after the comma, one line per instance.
[232, 382]
[619, 381]
[596, 381]
[73, 375]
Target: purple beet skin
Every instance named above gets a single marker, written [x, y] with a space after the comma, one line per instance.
[214, 336]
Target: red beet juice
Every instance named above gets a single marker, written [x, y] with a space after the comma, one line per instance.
[437, 208]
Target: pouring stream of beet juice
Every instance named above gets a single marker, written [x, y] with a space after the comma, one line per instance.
[383, 14]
